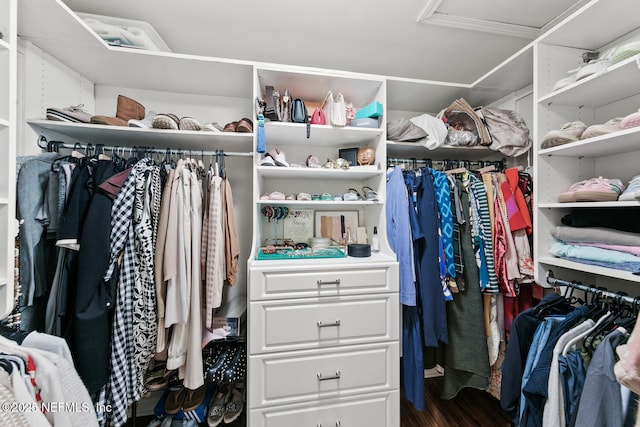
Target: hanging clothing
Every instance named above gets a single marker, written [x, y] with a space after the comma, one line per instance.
[466, 354]
[231, 242]
[130, 333]
[429, 285]
[89, 296]
[600, 402]
[399, 234]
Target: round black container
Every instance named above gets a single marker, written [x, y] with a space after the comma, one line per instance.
[359, 250]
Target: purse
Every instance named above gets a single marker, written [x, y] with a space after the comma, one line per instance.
[318, 117]
[339, 111]
[299, 114]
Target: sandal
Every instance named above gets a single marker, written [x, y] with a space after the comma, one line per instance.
[369, 194]
[352, 195]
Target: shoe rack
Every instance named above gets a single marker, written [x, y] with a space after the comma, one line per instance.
[593, 100]
[8, 134]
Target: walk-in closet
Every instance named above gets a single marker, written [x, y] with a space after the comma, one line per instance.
[259, 215]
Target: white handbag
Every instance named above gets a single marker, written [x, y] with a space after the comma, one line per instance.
[338, 111]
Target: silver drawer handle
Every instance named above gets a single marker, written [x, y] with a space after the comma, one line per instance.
[328, 282]
[326, 325]
[332, 377]
[337, 424]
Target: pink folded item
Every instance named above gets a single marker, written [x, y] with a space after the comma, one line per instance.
[632, 120]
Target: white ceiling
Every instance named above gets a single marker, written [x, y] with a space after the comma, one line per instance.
[421, 39]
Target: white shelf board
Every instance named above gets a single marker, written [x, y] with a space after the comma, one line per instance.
[616, 204]
[620, 142]
[313, 84]
[374, 260]
[594, 25]
[4, 45]
[4, 123]
[3, 281]
[4, 200]
[296, 134]
[600, 89]
[158, 138]
[324, 204]
[587, 268]
[418, 151]
[52, 26]
[319, 173]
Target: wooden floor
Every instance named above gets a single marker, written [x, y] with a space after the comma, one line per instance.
[470, 408]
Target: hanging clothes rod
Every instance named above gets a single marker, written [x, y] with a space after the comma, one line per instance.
[499, 164]
[552, 280]
[132, 150]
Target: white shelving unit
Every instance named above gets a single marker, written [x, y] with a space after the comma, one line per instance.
[346, 310]
[8, 132]
[592, 100]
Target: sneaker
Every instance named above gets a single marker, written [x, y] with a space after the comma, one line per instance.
[600, 190]
[632, 193]
[570, 132]
[632, 120]
[611, 126]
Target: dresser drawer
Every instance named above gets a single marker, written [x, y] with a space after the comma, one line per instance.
[290, 377]
[320, 322]
[379, 410]
[305, 281]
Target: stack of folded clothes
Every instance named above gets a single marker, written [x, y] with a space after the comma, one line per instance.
[607, 238]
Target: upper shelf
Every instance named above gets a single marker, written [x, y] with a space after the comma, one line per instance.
[600, 89]
[53, 27]
[296, 133]
[4, 45]
[624, 141]
[313, 84]
[416, 150]
[594, 25]
[319, 173]
[139, 137]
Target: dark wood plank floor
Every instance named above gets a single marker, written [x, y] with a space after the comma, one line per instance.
[470, 408]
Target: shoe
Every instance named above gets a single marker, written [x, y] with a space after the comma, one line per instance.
[146, 123]
[632, 193]
[244, 125]
[188, 123]
[570, 132]
[610, 126]
[599, 190]
[593, 67]
[234, 407]
[313, 162]
[218, 405]
[174, 400]
[166, 121]
[267, 161]
[212, 127]
[194, 398]
[278, 157]
[570, 195]
[304, 196]
[630, 121]
[72, 114]
[369, 194]
[237, 367]
[126, 110]
[230, 127]
[352, 196]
